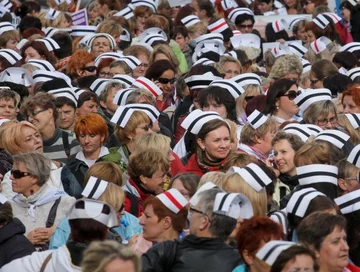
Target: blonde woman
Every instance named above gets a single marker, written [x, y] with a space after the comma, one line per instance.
[229, 66]
[163, 51]
[344, 122]
[109, 256]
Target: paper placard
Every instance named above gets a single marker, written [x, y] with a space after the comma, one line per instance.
[288, 18]
[80, 17]
[266, 46]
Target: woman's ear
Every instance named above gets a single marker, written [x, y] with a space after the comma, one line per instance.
[167, 222]
[201, 144]
[342, 184]
[143, 179]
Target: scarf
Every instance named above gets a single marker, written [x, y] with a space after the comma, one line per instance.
[252, 151]
[44, 195]
[206, 165]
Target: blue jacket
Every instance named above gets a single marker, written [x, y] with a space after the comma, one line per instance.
[129, 226]
[240, 268]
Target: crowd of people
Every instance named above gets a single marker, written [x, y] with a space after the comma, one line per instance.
[219, 135]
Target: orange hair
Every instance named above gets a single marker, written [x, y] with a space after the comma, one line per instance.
[91, 123]
[354, 92]
[78, 61]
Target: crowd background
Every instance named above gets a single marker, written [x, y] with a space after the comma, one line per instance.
[208, 136]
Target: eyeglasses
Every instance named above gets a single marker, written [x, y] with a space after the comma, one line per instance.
[193, 210]
[292, 94]
[35, 112]
[305, 3]
[324, 122]
[105, 74]
[166, 80]
[89, 68]
[313, 82]
[146, 128]
[19, 174]
[246, 26]
[248, 98]
[353, 178]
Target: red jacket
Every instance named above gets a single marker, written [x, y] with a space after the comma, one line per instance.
[140, 200]
[192, 167]
[353, 268]
[176, 165]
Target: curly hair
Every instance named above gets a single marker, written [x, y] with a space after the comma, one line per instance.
[285, 65]
[78, 61]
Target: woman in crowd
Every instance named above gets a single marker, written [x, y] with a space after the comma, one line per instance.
[101, 43]
[280, 100]
[161, 221]
[322, 114]
[351, 99]
[252, 235]
[148, 174]
[80, 64]
[321, 70]
[211, 153]
[20, 138]
[40, 110]
[109, 255]
[37, 50]
[347, 123]
[326, 235]
[92, 132]
[40, 206]
[229, 66]
[186, 184]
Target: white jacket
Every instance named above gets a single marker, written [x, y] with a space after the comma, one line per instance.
[60, 262]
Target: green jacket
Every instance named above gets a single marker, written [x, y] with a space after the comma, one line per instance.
[118, 155]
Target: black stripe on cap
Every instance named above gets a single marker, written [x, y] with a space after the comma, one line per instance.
[193, 123]
[298, 129]
[255, 176]
[350, 202]
[299, 200]
[317, 173]
[93, 190]
[223, 202]
[315, 94]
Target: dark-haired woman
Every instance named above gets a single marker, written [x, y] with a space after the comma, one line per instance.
[163, 74]
[212, 148]
[280, 101]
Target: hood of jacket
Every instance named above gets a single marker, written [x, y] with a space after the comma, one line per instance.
[13, 228]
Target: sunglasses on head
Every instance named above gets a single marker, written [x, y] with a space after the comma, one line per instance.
[292, 94]
[19, 174]
[89, 68]
[166, 80]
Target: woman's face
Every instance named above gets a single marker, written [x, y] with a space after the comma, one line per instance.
[22, 185]
[310, 36]
[249, 96]
[143, 128]
[64, 24]
[11, 44]
[264, 7]
[100, 45]
[299, 263]
[246, 26]
[231, 69]
[152, 226]
[31, 53]
[334, 251]
[90, 143]
[286, 104]
[309, 7]
[167, 81]
[284, 157]
[349, 105]
[315, 83]
[141, 69]
[330, 122]
[93, 13]
[302, 35]
[109, 105]
[88, 70]
[105, 72]
[156, 182]
[40, 118]
[345, 14]
[31, 140]
[141, 21]
[178, 184]
[216, 143]
[211, 105]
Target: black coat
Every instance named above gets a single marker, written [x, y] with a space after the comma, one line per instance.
[13, 243]
[192, 254]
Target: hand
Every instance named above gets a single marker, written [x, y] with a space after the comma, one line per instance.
[133, 240]
[41, 236]
[270, 163]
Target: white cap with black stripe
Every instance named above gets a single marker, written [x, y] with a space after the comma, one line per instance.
[94, 188]
[65, 92]
[121, 96]
[123, 113]
[354, 156]
[247, 78]
[99, 85]
[234, 205]
[50, 43]
[271, 250]
[317, 173]
[257, 119]
[305, 99]
[10, 55]
[234, 88]
[333, 136]
[42, 64]
[197, 118]
[124, 79]
[300, 200]
[349, 202]
[354, 119]
[190, 20]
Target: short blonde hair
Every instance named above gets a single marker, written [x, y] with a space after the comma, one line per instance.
[114, 196]
[220, 64]
[166, 50]
[249, 134]
[3, 129]
[100, 253]
[8, 35]
[110, 27]
[141, 93]
[125, 135]
[318, 111]
[153, 140]
[215, 177]
[12, 137]
[234, 183]
[354, 134]
[105, 170]
[200, 26]
[285, 65]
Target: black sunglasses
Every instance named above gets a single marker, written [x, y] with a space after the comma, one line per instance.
[313, 82]
[166, 80]
[89, 68]
[292, 94]
[121, 208]
[19, 174]
[248, 98]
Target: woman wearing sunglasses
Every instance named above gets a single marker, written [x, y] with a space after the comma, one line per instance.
[40, 206]
[81, 64]
[280, 101]
[163, 74]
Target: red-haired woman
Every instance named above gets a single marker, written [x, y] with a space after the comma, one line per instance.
[252, 235]
[351, 99]
[92, 132]
[37, 50]
[80, 64]
[161, 220]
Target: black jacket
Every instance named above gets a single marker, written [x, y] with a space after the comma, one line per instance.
[13, 243]
[192, 254]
